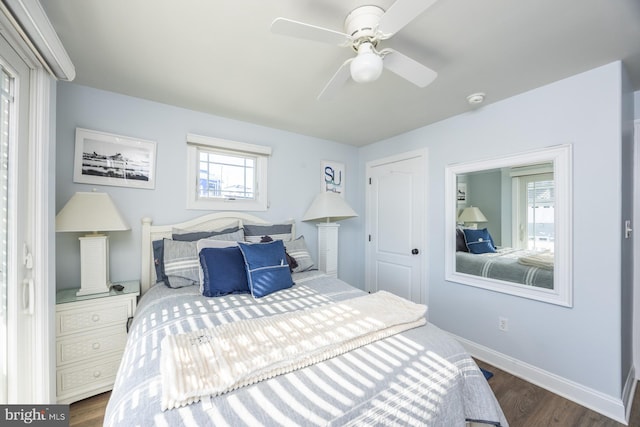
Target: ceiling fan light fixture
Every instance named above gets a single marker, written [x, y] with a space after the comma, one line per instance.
[367, 66]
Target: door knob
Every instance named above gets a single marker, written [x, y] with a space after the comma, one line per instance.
[415, 251]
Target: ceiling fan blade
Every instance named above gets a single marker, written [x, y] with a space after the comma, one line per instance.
[289, 27]
[337, 81]
[408, 68]
[400, 14]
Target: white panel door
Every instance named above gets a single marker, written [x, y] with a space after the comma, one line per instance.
[395, 218]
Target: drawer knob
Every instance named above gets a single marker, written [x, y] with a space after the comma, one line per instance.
[95, 317]
[96, 345]
[96, 374]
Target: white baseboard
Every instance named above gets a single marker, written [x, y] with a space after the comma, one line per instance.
[609, 406]
[628, 392]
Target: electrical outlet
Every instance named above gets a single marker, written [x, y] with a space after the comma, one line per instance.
[503, 324]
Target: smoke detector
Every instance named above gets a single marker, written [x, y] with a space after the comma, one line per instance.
[476, 98]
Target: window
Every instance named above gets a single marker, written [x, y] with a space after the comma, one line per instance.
[224, 175]
[535, 211]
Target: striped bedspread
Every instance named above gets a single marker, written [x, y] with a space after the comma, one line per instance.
[506, 265]
[417, 377]
[215, 361]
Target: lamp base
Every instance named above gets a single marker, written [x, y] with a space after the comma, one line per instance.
[94, 265]
[328, 248]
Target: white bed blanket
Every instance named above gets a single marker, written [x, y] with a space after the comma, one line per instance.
[543, 260]
[214, 361]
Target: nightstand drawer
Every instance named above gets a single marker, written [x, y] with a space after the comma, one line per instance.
[77, 379]
[89, 346]
[93, 316]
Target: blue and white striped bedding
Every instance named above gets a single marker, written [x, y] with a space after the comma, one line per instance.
[504, 265]
[419, 377]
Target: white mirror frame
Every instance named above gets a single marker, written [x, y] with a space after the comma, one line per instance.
[562, 292]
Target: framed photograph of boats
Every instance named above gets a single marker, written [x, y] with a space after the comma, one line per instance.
[107, 159]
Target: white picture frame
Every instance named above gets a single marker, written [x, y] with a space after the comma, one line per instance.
[107, 159]
[461, 195]
[332, 176]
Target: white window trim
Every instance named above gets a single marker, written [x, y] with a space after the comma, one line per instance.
[262, 153]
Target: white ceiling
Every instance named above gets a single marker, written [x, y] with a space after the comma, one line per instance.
[219, 57]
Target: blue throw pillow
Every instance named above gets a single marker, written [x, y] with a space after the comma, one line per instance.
[158, 260]
[267, 267]
[479, 241]
[224, 272]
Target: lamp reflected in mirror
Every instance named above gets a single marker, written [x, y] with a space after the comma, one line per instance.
[471, 216]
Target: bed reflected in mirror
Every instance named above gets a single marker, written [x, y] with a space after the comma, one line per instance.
[509, 223]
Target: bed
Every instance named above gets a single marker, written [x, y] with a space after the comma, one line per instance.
[420, 376]
[512, 265]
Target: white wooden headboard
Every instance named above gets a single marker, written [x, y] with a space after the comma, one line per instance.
[212, 221]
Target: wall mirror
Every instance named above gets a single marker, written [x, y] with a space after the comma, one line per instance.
[508, 224]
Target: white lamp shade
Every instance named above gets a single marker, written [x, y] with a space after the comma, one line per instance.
[90, 212]
[329, 206]
[472, 214]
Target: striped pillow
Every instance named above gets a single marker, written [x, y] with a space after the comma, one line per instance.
[254, 232]
[297, 249]
[181, 263]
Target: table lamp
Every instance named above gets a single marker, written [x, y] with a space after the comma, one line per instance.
[92, 212]
[328, 206]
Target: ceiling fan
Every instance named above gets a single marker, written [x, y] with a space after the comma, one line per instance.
[364, 28]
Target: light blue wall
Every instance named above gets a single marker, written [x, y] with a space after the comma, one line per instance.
[583, 343]
[294, 175]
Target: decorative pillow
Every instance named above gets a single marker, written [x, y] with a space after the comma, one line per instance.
[461, 244]
[298, 250]
[266, 266]
[211, 243]
[158, 260]
[191, 236]
[290, 260]
[181, 263]
[479, 241]
[255, 232]
[224, 272]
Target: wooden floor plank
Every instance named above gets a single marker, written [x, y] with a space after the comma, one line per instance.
[88, 412]
[524, 405]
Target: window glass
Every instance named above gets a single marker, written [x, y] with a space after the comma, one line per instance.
[536, 212]
[226, 176]
[540, 213]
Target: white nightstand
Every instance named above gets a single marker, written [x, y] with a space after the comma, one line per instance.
[91, 332]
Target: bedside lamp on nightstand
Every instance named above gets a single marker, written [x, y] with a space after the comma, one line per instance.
[471, 216]
[92, 212]
[328, 206]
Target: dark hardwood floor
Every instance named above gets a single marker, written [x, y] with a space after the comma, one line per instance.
[88, 412]
[527, 405]
[524, 405]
